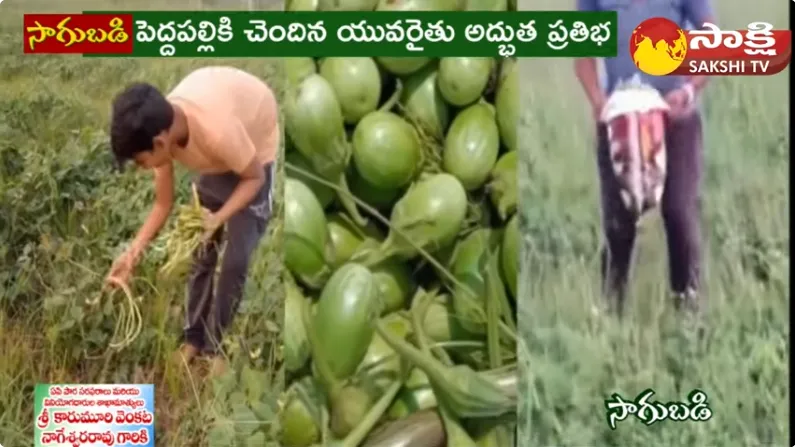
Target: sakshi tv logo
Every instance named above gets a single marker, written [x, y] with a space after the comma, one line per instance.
[660, 47]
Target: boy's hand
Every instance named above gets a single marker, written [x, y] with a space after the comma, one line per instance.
[681, 101]
[121, 270]
[597, 106]
[211, 225]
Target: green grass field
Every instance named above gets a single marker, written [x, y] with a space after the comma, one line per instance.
[64, 215]
[572, 361]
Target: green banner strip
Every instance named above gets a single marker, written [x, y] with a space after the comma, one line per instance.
[370, 34]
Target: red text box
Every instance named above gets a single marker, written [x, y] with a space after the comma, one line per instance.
[78, 33]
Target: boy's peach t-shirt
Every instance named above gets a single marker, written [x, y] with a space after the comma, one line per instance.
[233, 118]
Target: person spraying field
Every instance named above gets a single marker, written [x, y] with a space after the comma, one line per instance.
[684, 165]
[221, 123]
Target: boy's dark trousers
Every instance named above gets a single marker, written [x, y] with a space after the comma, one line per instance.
[680, 209]
[209, 308]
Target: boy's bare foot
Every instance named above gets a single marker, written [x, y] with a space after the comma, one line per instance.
[186, 353]
[218, 366]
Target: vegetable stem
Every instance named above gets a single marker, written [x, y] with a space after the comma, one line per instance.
[493, 313]
[362, 430]
[343, 192]
[393, 100]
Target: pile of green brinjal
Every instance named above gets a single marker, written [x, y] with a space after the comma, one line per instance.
[401, 245]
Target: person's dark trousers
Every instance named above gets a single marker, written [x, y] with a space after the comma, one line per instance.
[680, 209]
[210, 309]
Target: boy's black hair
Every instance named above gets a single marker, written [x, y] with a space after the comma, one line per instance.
[139, 114]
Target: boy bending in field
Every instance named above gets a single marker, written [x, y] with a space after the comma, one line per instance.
[221, 123]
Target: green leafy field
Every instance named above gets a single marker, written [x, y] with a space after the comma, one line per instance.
[64, 215]
[573, 360]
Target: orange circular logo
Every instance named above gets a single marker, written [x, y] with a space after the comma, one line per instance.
[658, 46]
